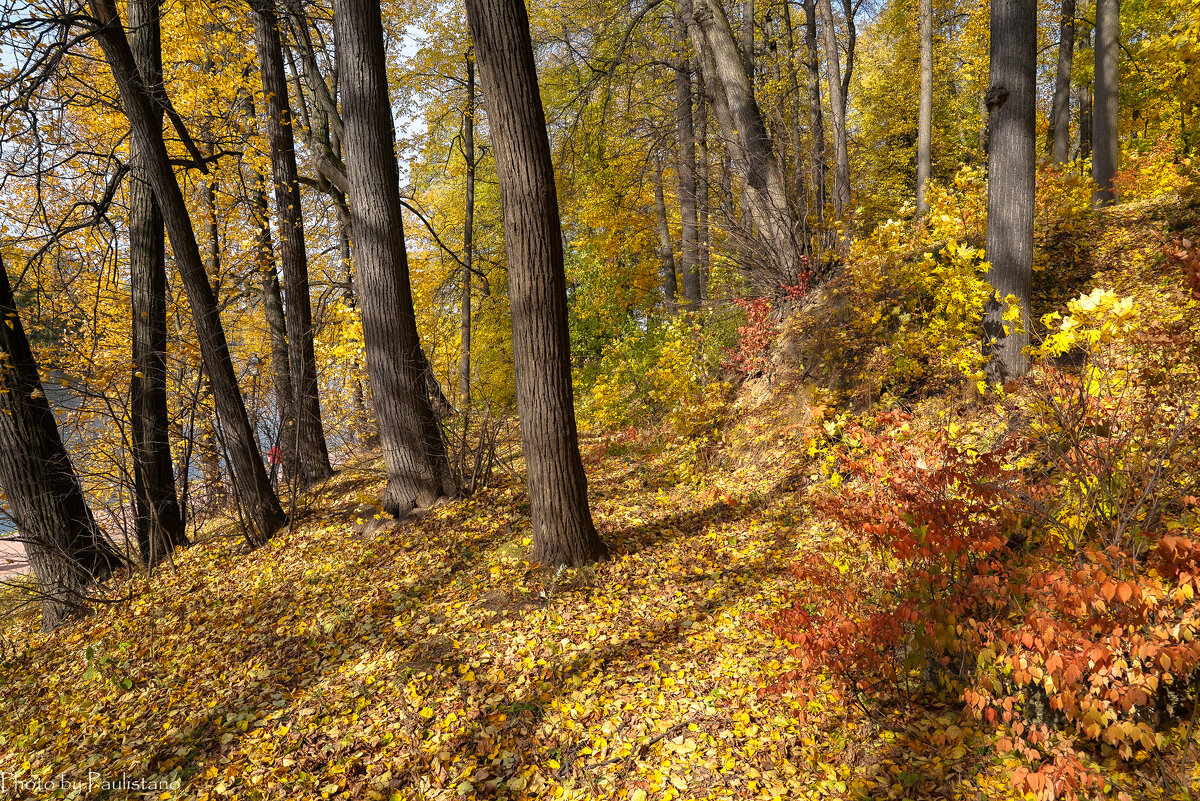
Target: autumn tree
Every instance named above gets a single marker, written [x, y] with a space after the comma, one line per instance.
[1060, 112]
[1011, 162]
[563, 532]
[1105, 146]
[417, 466]
[925, 115]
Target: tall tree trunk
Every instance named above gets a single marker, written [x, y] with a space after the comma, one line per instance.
[272, 302]
[1105, 148]
[464, 361]
[159, 524]
[837, 106]
[563, 533]
[666, 251]
[925, 112]
[67, 550]
[418, 470]
[816, 120]
[310, 432]
[1060, 114]
[745, 134]
[703, 243]
[250, 478]
[1011, 149]
[748, 38]
[686, 170]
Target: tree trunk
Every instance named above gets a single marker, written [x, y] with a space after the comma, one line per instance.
[748, 38]
[464, 360]
[159, 524]
[925, 112]
[418, 470]
[666, 251]
[313, 461]
[67, 550]
[816, 119]
[253, 487]
[1060, 114]
[837, 106]
[703, 244]
[1105, 149]
[563, 532]
[1011, 149]
[746, 135]
[686, 171]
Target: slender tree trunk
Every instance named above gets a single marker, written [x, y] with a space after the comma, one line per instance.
[272, 301]
[748, 38]
[1060, 114]
[563, 533]
[666, 251]
[1106, 150]
[925, 112]
[159, 524]
[837, 105]
[418, 470]
[67, 550]
[310, 432]
[464, 362]
[250, 478]
[816, 120]
[703, 244]
[686, 171]
[1011, 149]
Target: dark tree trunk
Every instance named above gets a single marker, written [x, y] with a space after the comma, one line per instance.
[816, 117]
[1011, 154]
[925, 112]
[703, 244]
[159, 523]
[310, 432]
[418, 470]
[666, 251]
[685, 133]
[837, 105]
[67, 551]
[563, 533]
[250, 478]
[1105, 149]
[464, 361]
[748, 38]
[1060, 114]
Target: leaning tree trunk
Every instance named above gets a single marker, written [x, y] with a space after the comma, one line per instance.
[1060, 114]
[312, 452]
[748, 38]
[250, 479]
[837, 106]
[685, 131]
[1011, 153]
[925, 110]
[159, 524]
[67, 551]
[666, 251]
[563, 533]
[417, 466]
[1105, 150]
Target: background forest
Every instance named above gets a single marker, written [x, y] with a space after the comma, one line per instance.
[673, 398]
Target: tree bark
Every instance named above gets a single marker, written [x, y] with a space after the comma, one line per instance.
[313, 454]
[1105, 148]
[1011, 149]
[1060, 114]
[666, 251]
[748, 38]
[703, 243]
[816, 120]
[250, 478]
[837, 106]
[67, 550]
[464, 361]
[686, 171]
[159, 524]
[925, 112]
[418, 470]
[563, 532]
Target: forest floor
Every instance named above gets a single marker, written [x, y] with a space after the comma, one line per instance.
[435, 661]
